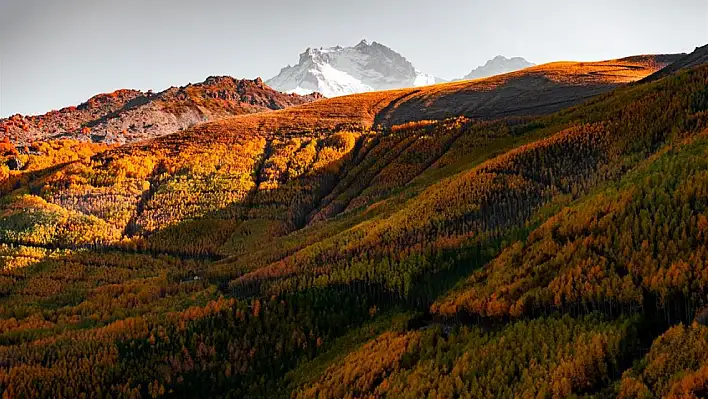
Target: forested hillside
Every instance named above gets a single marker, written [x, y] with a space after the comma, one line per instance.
[315, 252]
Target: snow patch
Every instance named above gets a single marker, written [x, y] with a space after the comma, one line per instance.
[424, 79]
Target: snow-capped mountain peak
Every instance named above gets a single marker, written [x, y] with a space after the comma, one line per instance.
[363, 43]
[336, 71]
[497, 66]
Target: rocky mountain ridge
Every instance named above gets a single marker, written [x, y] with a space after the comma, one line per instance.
[125, 115]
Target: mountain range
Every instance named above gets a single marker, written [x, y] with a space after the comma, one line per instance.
[540, 233]
[337, 71]
[127, 116]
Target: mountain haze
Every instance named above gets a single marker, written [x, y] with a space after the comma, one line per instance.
[497, 66]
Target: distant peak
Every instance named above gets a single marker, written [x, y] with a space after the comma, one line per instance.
[337, 70]
[498, 65]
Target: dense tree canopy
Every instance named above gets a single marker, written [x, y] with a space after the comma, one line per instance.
[535, 257]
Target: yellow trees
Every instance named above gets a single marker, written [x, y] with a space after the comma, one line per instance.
[30, 219]
[597, 210]
[4, 174]
[359, 374]
[640, 239]
[554, 357]
[675, 366]
[132, 167]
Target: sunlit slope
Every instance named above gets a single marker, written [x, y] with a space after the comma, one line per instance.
[577, 355]
[676, 366]
[537, 90]
[637, 244]
[288, 168]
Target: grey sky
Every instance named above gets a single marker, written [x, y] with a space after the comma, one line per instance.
[55, 53]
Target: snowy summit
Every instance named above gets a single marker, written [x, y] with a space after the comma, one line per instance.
[337, 71]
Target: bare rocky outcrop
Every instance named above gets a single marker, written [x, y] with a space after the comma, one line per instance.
[126, 116]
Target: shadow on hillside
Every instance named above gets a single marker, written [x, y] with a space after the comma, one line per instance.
[283, 209]
[197, 240]
[528, 95]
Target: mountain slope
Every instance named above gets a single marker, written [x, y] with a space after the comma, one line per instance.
[698, 57]
[130, 115]
[307, 253]
[304, 128]
[497, 66]
[538, 90]
[338, 71]
[580, 257]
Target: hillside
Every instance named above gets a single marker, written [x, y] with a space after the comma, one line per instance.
[698, 57]
[354, 245]
[126, 116]
[535, 91]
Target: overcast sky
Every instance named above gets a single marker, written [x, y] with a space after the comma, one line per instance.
[55, 53]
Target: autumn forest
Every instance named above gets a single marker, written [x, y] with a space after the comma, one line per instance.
[371, 246]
